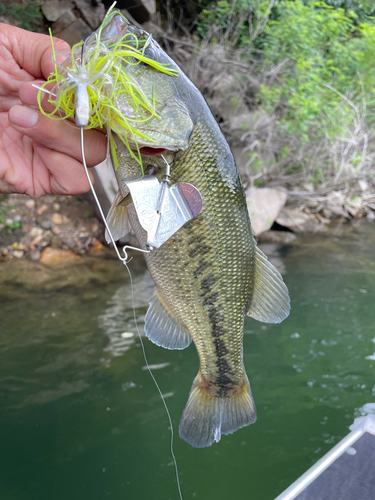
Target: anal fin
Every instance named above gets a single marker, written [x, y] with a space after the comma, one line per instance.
[162, 328]
[117, 219]
[270, 302]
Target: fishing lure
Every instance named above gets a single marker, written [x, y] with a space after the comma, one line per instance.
[89, 87]
[90, 84]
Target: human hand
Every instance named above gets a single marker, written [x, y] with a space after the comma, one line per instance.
[38, 155]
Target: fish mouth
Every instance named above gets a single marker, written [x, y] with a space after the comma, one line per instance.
[149, 151]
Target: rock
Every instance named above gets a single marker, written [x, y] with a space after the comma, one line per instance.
[278, 237]
[35, 241]
[53, 9]
[92, 12]
[45, 241]
[18, 254]
[30, 204]
[63, 22]
[335, 203]
[327, 213]
[34, 255]
[57, 257]
[47, 224]
[97, 246]
[141, 10]
[60, 219]
[297, 221]
[264, 205]
[42, 209]
[56, 242]
[56, 230]
[75, 32]
[36, 231]
[150, 6]
[354, 206]
[363, 185]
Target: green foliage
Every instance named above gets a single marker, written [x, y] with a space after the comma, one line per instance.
[26, 15]
[315, 65]
[234, 17]
[362, 9]
[217, 14]
[311, 42]
[9, 225]
[322, 54]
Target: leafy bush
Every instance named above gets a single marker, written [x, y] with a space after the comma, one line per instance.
[25, 15]
[314, 60]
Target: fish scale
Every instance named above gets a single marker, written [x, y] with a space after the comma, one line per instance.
[222, 238]
[210, 273]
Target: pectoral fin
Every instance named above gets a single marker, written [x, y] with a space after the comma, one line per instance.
[163, 329]
[117, 219]
[270, 302]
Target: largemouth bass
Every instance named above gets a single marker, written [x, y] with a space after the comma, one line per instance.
[210, 273]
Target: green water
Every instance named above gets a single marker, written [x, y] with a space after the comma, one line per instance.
[81, 419]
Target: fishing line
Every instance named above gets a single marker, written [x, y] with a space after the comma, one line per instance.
[124, 260]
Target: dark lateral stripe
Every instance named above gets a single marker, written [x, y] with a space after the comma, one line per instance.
[203, 265]
[207, 283]
[199, 250]
[209, 300]
[217, 318]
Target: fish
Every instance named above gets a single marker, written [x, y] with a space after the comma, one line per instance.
[210, 274]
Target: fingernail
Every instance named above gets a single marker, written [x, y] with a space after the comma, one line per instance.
[23, 116]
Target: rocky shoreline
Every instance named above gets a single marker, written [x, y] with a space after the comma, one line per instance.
[60, 230]
[52, 230]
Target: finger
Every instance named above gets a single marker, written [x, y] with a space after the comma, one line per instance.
[61, 174]
[33, 51]
[28, 94]
[58, 135]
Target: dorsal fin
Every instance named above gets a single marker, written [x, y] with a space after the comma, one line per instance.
[162, 328]
[270, 302]
[117, 219]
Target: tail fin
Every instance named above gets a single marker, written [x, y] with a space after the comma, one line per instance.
[208, 415]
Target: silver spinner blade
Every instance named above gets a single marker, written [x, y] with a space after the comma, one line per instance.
[181, 203]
